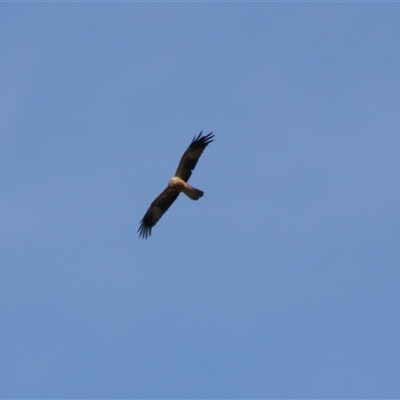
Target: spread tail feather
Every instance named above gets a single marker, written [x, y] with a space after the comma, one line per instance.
[193, 193]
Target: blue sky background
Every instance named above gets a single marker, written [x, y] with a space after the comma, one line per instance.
[282, 281]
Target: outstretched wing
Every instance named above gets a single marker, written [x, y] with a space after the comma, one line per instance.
[156, 210]
[192, 155]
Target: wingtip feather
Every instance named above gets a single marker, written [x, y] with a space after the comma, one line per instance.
[144, 230]
[204, 139]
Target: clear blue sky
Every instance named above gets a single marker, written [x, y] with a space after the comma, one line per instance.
[282, 281]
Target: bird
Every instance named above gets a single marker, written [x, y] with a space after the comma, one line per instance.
[176, 185]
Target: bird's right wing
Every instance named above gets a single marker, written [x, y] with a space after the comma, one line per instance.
[156, 210]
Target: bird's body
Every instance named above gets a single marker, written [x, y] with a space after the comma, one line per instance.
[176, 185]
[181, 186]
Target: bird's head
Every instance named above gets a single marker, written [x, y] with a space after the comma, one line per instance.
[175, 183]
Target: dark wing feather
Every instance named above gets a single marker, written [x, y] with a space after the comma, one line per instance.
[192, 155]
[156, 210]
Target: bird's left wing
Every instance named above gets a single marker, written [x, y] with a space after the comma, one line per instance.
[192, 155]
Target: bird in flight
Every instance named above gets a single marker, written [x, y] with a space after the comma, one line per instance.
[176, 185]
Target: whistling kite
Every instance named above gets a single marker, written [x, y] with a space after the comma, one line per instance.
[176, 185]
